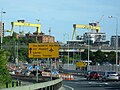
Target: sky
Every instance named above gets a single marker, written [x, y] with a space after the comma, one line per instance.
[60, 15]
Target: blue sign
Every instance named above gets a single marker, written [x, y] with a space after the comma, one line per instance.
[37, 67]
[30, 67]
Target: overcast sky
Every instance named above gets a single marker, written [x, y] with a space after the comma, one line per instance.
[60, 15]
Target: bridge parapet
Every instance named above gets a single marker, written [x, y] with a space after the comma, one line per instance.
[50, 85]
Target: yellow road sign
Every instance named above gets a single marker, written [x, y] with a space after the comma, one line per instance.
[43, 50]
[81, 64]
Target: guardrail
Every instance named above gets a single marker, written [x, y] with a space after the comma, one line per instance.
[50, 85]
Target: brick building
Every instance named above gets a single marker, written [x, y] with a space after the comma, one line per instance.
[41, 37]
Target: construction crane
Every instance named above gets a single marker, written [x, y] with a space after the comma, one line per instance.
[98, 22]
[91, 26]
[19, 23]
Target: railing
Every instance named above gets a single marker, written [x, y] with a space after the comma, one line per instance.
[49, 85]
[105, 68]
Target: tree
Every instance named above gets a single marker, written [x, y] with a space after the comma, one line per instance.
[99, 56]
[112, 57]
[85, 55]
[22, 54]
[4, 72]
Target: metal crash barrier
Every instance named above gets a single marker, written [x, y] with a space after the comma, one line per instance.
[50, 85]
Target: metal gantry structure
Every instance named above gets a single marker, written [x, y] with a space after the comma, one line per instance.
[25, 24]
[91, 27]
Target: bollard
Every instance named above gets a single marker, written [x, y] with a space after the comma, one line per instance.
[51, 88]
[12, 83]
[48, 88]
[6, 84]
[20, 83]
[16, 83]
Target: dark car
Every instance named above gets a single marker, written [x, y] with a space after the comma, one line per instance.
[34, 73]
[93, 75]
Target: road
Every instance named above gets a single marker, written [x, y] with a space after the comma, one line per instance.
[83, 84]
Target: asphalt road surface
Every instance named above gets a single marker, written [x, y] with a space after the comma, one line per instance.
[83, 84]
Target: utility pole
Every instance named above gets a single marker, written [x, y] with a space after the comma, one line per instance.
[116, 38]
[88, 51]
[2, 27]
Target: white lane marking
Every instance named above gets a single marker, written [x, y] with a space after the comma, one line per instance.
[91, 83]
[68, 87]
[97, 83]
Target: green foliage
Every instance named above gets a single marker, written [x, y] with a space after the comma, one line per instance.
[84, 55]
[111, 57]
[23, 54]
[99, 56]
[4, 72]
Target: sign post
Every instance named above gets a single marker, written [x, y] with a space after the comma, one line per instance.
[37, 71]
[43, 50]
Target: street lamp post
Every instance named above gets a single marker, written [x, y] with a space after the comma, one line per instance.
[68, 52]
[88, 52]
[68, 48]
[116, 38]
[2, 26]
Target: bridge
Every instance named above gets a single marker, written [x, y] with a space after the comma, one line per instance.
[73, 48]
[81, 48]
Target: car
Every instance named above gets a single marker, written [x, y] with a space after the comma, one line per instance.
[110, 76]
[47, 69]
[93, 75]
[12, 72]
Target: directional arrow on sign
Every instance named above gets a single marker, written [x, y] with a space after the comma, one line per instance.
[30, 50]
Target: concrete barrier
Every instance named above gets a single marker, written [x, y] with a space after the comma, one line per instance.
[50, 85]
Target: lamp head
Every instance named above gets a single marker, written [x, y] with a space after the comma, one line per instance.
[3, 12]
[110, 16]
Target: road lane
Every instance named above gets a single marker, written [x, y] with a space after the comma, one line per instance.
[83, 84]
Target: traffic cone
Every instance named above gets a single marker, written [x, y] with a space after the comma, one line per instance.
[71, 77]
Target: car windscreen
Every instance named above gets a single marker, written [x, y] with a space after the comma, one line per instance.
[111, 72]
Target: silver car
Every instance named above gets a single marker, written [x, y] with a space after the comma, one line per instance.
[110, 76]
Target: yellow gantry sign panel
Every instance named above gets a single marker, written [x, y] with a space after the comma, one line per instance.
[43, 50]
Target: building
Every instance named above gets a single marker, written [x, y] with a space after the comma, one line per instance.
[95, 38]
[75, 42]
[41, 37]
[91, 38]
[113, 41]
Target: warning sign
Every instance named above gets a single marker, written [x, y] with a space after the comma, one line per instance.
[43, 50]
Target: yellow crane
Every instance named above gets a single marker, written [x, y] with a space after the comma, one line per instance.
[90, 26]
[25, 24]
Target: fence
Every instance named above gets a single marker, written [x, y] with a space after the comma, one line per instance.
[105, 68]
